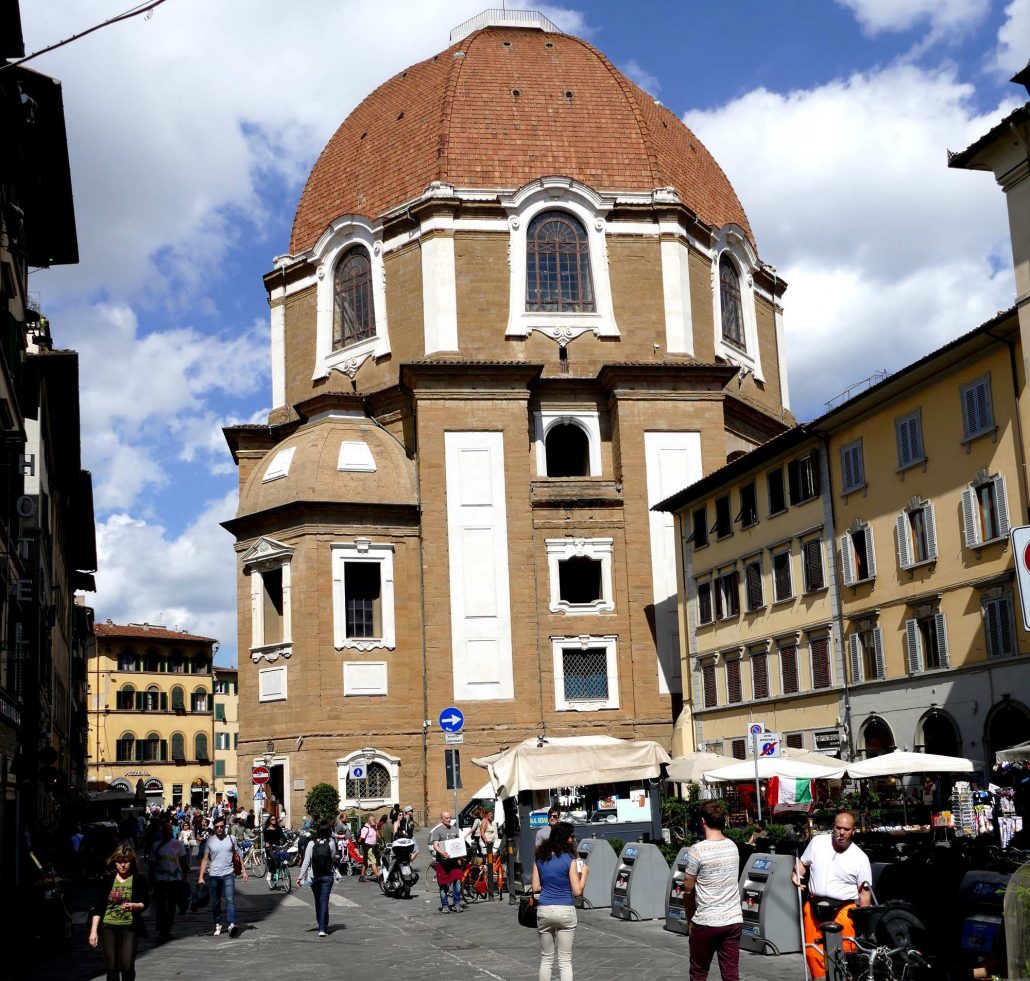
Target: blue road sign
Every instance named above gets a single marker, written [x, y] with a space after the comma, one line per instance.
[451, 720]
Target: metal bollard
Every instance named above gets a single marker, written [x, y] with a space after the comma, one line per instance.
[833, 944]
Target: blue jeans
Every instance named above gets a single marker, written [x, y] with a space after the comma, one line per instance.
[219, 884]
[321, 886]
[455, 888]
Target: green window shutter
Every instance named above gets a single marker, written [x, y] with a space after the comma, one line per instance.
[219, 768]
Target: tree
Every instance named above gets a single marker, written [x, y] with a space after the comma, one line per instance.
[323, 804]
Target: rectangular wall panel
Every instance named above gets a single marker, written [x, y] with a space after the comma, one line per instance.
[477, 537]
[673, 461]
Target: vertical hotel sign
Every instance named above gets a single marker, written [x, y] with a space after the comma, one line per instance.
[1021, 554]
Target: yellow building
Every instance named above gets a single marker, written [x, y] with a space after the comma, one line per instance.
[851, 582]
[227, 731]
[150, 717]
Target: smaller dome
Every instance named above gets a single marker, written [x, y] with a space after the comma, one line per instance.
[335, 459]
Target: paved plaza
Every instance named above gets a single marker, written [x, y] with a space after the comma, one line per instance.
[371, 936]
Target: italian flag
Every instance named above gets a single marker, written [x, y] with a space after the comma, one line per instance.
[788, 794]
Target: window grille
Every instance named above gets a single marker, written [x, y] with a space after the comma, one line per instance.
[558, 275]
[377, 784]
[353, 311]
[795, 740]
[585, 675]
[821, 662]
[362, 588]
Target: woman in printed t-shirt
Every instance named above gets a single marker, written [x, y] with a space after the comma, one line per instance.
[117, 914]
[558, 877]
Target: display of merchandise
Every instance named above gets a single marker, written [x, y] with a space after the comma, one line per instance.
[962, 808]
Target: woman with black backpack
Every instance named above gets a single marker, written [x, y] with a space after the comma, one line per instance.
[318, 869]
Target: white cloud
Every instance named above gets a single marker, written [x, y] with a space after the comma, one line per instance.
[639, 75]
[886, 250]
[1014, 38]
[944, 17]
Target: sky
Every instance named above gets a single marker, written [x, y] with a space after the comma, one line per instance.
[191, 133]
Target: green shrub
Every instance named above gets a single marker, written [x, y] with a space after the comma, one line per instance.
[323, 804]
[616, 844]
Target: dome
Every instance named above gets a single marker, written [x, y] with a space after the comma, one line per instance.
[496, 110]
[334, 460]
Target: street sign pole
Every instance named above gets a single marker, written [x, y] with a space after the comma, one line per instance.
[758, 786]
[452, 720]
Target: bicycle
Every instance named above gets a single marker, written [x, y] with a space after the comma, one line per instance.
[253, 859]
[280, 875]
[475, 882]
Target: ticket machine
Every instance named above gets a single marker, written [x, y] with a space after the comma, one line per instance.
[770, 905]
[676, 897]
[641, 878]
[601, 859]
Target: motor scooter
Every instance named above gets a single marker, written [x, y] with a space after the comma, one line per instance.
[396, 874]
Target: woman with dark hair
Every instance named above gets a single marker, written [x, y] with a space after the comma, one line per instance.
[317, 868]
[119, 906]
[558, 877]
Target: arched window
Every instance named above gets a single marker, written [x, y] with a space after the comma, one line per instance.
[877, 737]
[126, 699]
[200, 746]
[152, 699]
[558, 265]
[377, 786]
[732, 309]
[568, 451]
[178, 747]
[199, 701]
[178, 699]
[939, 735]
[125, 748]
[152, 747]
[354, 317]
[127, 660]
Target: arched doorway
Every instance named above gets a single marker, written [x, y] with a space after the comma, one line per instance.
[877, 737]
[1008, 724]
[938, 734]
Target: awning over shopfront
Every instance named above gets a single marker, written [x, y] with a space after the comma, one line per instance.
[783, 766]
[1013, 753]
[902, 763]
[691, 767]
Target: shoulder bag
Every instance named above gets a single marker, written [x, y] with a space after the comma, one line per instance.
[527, 911]
[237, 862]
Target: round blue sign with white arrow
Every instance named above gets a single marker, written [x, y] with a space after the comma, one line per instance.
[451, 720]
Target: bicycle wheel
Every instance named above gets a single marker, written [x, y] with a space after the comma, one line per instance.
[257, 862]
[284, 872]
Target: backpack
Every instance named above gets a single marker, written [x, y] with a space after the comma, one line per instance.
[322, 857]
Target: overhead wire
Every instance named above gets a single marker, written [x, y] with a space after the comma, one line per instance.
[143, 8]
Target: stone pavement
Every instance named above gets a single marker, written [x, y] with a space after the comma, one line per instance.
[374, 937]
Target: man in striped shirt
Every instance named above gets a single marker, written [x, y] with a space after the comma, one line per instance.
[710, 881]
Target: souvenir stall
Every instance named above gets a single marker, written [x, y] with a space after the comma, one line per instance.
[1010, 784]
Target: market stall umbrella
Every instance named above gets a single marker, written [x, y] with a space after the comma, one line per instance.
[807, 756]
[782, 766]
[901, 763]
[691, 767]
[1013, 753]
[569, 761]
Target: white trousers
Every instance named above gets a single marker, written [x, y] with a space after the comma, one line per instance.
[557, 928]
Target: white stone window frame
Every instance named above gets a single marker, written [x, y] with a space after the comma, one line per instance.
[590, 422]
[351, 687]
[559, 645]
[392, 764]
[266, 674]
[363, 550]
[267, 555]
[591, 209]
[733, 241]
[347, 232]
[598, 549]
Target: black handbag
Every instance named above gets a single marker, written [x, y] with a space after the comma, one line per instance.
[527, 911]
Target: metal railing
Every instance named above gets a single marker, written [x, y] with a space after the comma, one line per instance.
[502, 17]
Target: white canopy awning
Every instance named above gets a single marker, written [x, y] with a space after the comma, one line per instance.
[691, 767]
[1013, 753]
[568, 761]
[782, 766]
[901, 763]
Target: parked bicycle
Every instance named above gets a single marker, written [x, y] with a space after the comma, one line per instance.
[253, 859]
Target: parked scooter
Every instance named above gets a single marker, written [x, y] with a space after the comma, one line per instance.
[396, 874]
[298, 847]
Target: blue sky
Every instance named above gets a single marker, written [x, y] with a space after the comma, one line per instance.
[191, 134]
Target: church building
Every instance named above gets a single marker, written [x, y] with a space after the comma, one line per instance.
[522, 304]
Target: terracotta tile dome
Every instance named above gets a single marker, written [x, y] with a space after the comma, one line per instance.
[498, 109]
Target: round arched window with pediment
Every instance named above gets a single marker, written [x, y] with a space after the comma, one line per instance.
[558, 278]
[732, 307]
[354, 317]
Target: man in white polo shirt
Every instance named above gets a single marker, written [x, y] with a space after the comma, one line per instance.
[839, 878]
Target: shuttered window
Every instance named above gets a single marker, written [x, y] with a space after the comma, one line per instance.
[926, 643]
[723, 526]
[909, 432]
[748, 514]
[977, 408]
[985, 512]
[917, 536]
[999, 628]
[866, 658]
[774, 486]
[704, 602]
[857, 557]
[709, 685]
[699, 534]
[738, 747]
[812, 556]
[727, 596]
[852, 467]
[789, 669]
[795, 740]
[760, 675]
[803, 478]
[733, 689]
[753, 584]
[821, 675]
[783, 587]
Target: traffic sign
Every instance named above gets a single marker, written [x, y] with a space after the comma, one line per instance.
[454, 738]
[1021, 553]
[358, 771]
[768, 745]
[451, 720]
[755, 729]
[259, 794]
[260, 774]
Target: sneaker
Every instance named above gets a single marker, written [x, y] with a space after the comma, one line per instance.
[445, 909]
[321, 933]
[218, 929]
[232, 930]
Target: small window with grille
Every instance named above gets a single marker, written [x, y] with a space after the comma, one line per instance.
[376, 785]
[558, 275]
[585, 675]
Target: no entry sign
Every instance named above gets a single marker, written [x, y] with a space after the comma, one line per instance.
[1021, 556]
[260, 774]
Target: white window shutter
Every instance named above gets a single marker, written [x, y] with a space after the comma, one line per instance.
[904, 545]
[855, 643]
[847, 560]
[913, 647]
[1001, 502]
[931, 532]
[970, 526]
[881, 665]
[870, 554]
[941, 627]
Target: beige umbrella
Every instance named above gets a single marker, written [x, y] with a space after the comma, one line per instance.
[807, 756]
[691, 767]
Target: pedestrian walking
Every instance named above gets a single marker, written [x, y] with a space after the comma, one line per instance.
[406, 823]
[487, 838]
[839, 877]
[558, 878]
[448, 869]
[368, 837]
[217, 863]
[713, 898]
[553, 815]
[317, 868]
[169, 866]
[116, 917]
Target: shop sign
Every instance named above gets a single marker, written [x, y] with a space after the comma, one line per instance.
[137, 773]
[154, 787]
[827, 739]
